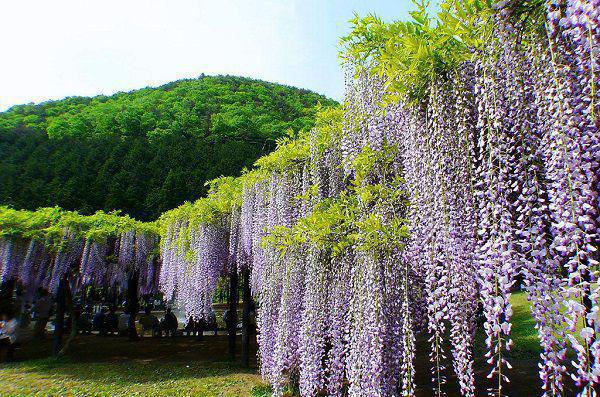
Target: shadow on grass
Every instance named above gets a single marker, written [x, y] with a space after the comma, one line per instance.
[172, 365]
[120, 361]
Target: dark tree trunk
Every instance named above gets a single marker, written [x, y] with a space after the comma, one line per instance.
[6, 293]
[233, 304]
[111, 294]
[115, 296]
[84, 296]
[70, 306]
[59, 320]
[7, 288]
[133, 305]
[246, 317]
[104, 295]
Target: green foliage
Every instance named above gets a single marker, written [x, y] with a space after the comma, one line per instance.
[347, 221]
[330, 226]
[291, 152]
[146, 151]
[28, 224]
[328, 124]
[48, 225]
[409, 54]
[262, 391]
[224, 193]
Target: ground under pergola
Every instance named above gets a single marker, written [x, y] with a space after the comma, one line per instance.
[186, 366]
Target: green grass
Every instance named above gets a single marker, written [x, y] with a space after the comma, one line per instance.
[262, 391]
[523, 332]
[187, 367]
[48, 377]
[117, 367]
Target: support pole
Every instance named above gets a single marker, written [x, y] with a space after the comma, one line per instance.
[6, 293]
[59, 320]
[70, 307]
[232, 318]
[246, 317]
[133, 305]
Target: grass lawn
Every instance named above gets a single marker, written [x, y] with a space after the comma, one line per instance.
[114, 366]
[184, 366]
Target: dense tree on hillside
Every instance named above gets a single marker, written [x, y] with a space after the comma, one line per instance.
[145, 151]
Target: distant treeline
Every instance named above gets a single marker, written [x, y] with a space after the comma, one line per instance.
[145, 151]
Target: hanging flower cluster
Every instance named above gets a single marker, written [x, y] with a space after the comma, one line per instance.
[321, 297]
[436, 144]
[573, 151]
[277, 280]
[192, 264]
[537, 190]
[507, 147]
[195, 249]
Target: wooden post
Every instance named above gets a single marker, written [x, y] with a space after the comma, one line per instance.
[133, 305]
[233, 304]
[115, 296]
[84, 296]
[6, 293]
[59, 320]
[246, 317]
[70, 307]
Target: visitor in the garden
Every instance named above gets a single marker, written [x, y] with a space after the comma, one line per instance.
[211, 323]
[41, 312]
[84, 322]
[190, 327]
[99, 322]
[112, 321]
[9, 334]
[162, 328]
[25, 318]
[70, 317]
[149, 322]
[19, 305]
[170, 323]
[124, 323]
[199, 326]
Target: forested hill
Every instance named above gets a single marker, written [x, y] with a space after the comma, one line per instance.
[144, 151]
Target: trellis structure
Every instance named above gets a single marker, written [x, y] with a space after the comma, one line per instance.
[62, 252]
[466, 158]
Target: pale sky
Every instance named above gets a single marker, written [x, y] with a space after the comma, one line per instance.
[57, 48]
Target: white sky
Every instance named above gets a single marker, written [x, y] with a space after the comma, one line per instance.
[57, 48]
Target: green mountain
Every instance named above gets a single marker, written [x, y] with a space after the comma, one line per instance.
[144, 151]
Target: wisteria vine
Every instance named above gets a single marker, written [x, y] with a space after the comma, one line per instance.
[463, 166]
[424, 207]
